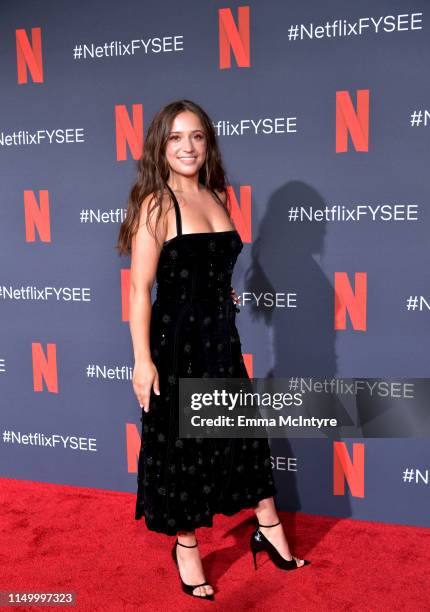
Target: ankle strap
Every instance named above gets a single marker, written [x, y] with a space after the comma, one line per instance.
[259, 524]
[186, 545]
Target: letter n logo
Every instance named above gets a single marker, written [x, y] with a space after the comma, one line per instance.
[125, 293]
[348, 300]
[345, 469]
[133, 441]
[234, 38]
[241, 214]
[128, 131]
[44, 367]
[352, 121]
[36, 216]
[249, 363]
[29, 55]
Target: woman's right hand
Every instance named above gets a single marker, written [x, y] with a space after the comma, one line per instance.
[145, 378]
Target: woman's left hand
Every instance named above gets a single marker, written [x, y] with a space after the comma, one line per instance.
[235, 297]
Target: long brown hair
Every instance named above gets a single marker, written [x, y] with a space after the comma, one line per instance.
[153, 170]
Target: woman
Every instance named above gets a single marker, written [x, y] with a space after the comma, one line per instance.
[189, 331]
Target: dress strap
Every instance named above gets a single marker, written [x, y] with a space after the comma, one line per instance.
[177, 212]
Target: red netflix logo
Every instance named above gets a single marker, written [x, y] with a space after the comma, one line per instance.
[346, 300]
[29, 56]
[234, 37]
[44, 367]
[351, 121]
[345, 469]
[36, 216]
[128, 131]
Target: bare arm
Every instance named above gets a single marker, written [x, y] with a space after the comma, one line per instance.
[144, 259]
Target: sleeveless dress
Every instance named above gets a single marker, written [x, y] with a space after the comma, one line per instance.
[182, 483]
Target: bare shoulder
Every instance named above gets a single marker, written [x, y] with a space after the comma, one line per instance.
[149, 202]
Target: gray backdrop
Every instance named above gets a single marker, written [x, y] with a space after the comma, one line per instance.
[286, 78]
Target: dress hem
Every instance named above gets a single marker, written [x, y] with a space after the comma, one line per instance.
[208, 522]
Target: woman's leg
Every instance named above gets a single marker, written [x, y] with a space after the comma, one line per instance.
[190, 564]
[266, 514]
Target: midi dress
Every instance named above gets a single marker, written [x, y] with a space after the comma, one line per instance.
[183, 482]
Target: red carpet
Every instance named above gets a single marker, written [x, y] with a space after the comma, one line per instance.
[87, 541]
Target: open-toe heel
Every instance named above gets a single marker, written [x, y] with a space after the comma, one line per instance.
[189, 588]
[259, 542]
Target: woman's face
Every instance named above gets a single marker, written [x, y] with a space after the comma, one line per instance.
[186, 144]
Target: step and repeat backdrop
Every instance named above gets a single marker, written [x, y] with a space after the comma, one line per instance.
[322, 116]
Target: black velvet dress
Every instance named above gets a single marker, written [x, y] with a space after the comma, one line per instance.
[182, 483]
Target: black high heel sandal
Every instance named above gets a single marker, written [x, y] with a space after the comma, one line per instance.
[259, 542]
[189, 588]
